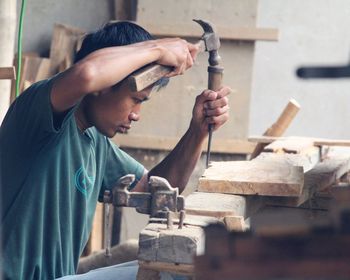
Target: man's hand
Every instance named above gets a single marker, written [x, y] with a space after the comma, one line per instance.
[210, 108]
[177, 53]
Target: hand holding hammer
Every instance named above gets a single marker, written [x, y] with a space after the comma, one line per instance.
[209, 42]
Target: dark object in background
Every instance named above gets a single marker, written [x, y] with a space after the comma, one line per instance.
[323, 72]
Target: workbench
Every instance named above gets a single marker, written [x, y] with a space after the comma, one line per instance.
[287, 189]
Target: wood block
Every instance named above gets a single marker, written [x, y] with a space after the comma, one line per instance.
[217, 205]
[235, 223]
[159, 244]
[253, 178]
[182, 269]
[231, 209]
[64, 45]
[7, 73]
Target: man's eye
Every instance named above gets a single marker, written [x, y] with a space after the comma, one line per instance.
[137, 101]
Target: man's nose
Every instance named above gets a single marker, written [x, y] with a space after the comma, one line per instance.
[134, 117]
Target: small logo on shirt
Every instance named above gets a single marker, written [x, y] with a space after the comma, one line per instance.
[83, 182]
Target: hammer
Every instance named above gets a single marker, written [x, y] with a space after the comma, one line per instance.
[209, 42]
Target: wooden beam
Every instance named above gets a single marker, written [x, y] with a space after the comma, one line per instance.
[192, 30]
[7, 73]
[280, 126]
[324, 175]
[227, 146]
[220, 205]
[275, 178]
[316, 141]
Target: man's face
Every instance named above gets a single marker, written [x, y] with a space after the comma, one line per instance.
[113, 110]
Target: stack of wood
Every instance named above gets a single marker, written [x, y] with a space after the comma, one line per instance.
[292, 177]
[65, 42]
[319, 254]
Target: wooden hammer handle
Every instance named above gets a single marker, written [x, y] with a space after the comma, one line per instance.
[150, 74]
[147, 76]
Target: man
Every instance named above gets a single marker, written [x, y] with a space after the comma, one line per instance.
[57, 160]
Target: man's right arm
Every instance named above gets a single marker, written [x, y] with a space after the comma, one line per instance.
[106, 67]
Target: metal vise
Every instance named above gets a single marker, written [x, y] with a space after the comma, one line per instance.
[161, 198]
[159, 202]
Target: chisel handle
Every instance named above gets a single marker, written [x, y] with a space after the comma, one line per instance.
[215, 74]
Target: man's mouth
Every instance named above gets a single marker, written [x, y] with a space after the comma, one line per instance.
[123, 128]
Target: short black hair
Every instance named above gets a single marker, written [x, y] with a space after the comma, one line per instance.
[115, 34]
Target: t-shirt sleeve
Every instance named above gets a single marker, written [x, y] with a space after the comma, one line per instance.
[119, 164]
[31, 114]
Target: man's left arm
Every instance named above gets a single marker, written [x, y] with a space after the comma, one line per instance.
[210, 108]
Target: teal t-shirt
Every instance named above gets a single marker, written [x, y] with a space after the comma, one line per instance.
[51, 179]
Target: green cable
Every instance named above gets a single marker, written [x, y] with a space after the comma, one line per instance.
[19, 46]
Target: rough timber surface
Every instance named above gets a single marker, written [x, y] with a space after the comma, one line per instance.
[221, 205]
[319, 179]
[159, 244]
[253, 178]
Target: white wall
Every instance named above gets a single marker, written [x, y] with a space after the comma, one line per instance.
[42, 14]
[311, 32]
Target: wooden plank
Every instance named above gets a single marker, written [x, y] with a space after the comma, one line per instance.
[34, 68]
[64, 44]
[316, 141]
[159, 244]
[7, 73]
[320, 178]
[280, 126]
[95, 242]
[192, 30]
[229, 146]
[253, 178]
[221, 205]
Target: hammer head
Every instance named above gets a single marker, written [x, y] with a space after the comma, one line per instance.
[210, 37]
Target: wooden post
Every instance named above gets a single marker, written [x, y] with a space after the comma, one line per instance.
[280, 126]
[7, 35]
